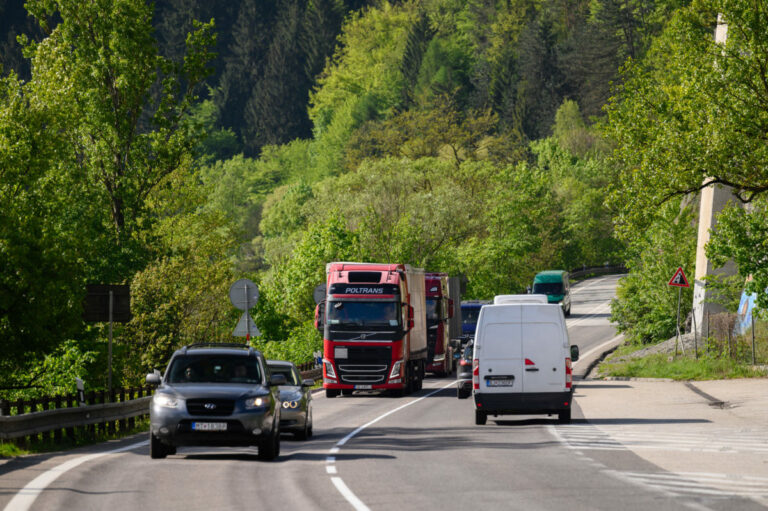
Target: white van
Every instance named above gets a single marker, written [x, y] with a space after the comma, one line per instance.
[522, 361]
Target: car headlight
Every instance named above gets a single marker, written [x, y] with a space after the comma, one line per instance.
[256, 402]
[166, 401]
[290, 404]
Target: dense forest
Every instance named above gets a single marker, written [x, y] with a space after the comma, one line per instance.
[177, 146]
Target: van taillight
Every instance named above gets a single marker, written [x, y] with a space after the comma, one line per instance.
[476, 374]
[568, 374]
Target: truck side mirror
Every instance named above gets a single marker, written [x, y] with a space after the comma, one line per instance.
[410, 312]
[574, 353]
[319, 315]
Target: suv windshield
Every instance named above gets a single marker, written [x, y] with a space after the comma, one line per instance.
[363, 313]
[214, 369]
[548, 288]
[290, 376]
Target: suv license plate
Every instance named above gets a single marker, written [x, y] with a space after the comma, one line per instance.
[505, 382]
[209, 426]
[364, 387]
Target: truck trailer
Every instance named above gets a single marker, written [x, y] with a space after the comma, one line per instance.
[443, 321]
[373, 320]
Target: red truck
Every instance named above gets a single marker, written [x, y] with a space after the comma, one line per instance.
[443, 321]
[374, 333]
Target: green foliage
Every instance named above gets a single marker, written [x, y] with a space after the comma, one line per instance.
[645, 309]
[742, 235]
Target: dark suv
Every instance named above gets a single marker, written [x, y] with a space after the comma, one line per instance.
[217, 395]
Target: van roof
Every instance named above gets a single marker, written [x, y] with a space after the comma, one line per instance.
[529, 298]
[550, 276]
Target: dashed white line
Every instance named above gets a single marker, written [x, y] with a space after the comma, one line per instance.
[337, 481]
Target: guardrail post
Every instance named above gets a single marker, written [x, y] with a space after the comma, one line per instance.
[112, 425]
[57, 431]
[20, 407]
[131, 420]
[44, 402]
[90, 399]
[70, 432]
[5, 408]
[123, 424]
[101, 399]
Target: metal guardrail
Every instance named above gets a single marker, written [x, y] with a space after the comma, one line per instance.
[26, 424]
[597, 270]
[16, 426]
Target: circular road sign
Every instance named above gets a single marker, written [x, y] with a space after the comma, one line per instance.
[243, 294]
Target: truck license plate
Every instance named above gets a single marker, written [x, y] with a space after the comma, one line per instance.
[364, 387]
[209, 426]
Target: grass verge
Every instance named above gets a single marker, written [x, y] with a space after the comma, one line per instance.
[682, 367]
[9, 449]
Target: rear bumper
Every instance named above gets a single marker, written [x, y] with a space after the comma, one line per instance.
[522, 403]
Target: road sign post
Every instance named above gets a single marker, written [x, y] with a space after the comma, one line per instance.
[244, 294]
[679, 281]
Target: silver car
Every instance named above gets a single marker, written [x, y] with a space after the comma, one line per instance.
[296, 399]
[215, 395]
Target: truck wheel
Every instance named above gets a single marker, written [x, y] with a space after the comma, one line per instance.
[480, 417]
[408, 380]
[564, 416]
[331, 392]
[346, 392]
[156, 448]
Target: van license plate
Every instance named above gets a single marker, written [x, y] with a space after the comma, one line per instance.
[209, 426]
[500, 382]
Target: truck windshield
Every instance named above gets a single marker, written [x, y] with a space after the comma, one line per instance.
[380, 314]
[548, 288]
[432, 310]
[469, 315]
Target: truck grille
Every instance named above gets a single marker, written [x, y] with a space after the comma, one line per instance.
[365, 365]
[217, 407]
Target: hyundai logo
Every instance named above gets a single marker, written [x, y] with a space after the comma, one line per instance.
[210, 406]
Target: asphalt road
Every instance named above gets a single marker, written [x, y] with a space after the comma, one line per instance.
[372, 452]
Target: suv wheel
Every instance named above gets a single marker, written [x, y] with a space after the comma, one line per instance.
[480, 417]
[156, 448]
[269, 449]
[305, 433]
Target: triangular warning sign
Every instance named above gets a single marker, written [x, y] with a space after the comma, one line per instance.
[678, 279]
[246, 327]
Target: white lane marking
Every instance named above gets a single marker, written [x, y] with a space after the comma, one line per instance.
[590, 283]
[347, 494]
[331, 469]
[597, 310]
[337, 481]
[330, 459]
[583, 356]
[23, 500]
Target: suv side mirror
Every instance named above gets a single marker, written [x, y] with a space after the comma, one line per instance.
[276, 380]
[574, 353]
[308, 383]
[153, 379]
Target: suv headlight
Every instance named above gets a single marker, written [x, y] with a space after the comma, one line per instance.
[256, 402]
[166, 401]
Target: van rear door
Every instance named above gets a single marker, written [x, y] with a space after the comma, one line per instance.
[501, 364]
[544, 349]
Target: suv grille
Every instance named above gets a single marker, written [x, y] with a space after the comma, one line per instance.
[216, 407]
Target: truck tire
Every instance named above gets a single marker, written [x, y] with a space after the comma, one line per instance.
[331, 393]
[480, 417]
[346, 392]
[564, 416]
